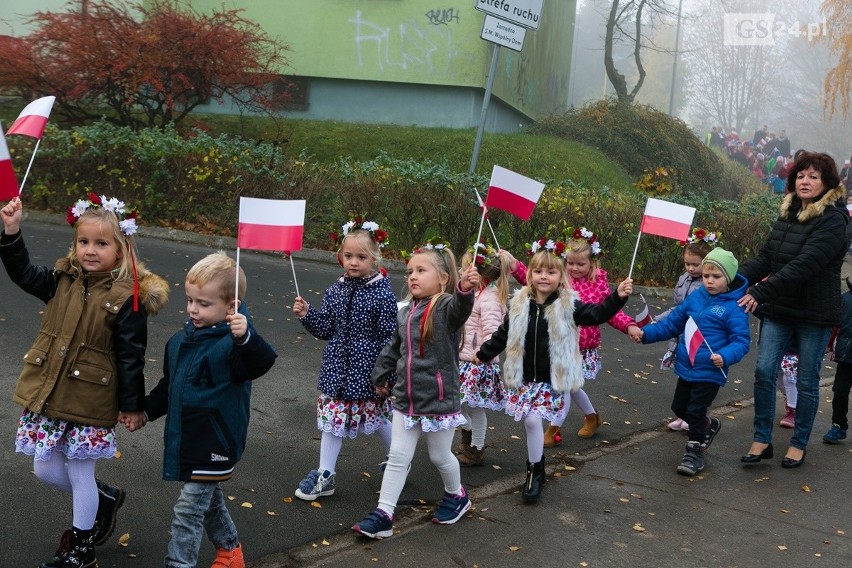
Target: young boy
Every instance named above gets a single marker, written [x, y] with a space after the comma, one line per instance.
[205, 391]
[701, 365]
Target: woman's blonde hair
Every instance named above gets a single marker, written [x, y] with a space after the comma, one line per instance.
[547, 260]
[444, 262]
[107, 219]
[365, 239]
[580, 246]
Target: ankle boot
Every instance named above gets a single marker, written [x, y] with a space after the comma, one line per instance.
[590, 425]
[534, 482]
[553, 436]
[464, 443]
[471, 457]
[80, 552]
[789, 420]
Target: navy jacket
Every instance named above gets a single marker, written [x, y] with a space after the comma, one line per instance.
[843, 345]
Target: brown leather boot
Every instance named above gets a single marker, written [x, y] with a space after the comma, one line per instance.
[590, 425]
[472, 456]
[553, 436]
[464, 443]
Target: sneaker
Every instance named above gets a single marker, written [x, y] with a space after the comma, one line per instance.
[318, 483]
[451, 508]
[110, 500]
[375, 525]
[229, 558]
[835, 435]
[712, 429]
[693, 461]
[789, 420]
[678, 425]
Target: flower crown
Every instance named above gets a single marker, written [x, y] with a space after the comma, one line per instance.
[583, 233]
[702, 235]
[482, 253]
[434, 243]
[126, 217]
[377, 234]
[556, 248]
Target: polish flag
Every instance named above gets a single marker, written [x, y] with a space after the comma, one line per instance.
[643, 318]
[513, 192]
[693, 339]
[271, 224]
[8, 182]
[667, 219]
[33, 118]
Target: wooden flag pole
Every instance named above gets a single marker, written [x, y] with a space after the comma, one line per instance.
[482, 205]
[479, 234]
[635, 250]
[21, 190]
[295, 282]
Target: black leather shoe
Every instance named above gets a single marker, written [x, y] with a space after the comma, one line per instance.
[791, 463]
[766, 454]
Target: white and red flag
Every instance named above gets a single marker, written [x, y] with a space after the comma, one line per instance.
[643, 318]
[513, 192]
[33, 118]
[9, 188]
[667, 219]
[693, 339]
[271, 224]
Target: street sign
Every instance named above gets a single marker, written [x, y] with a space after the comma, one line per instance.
[525, 13]
[503, 33]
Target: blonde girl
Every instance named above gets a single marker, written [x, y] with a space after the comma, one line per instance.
[85, 370]
[424, 352]
[481, 383]
[357, 318]
[543, 361]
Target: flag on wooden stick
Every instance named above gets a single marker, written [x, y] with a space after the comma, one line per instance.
[33, 119]
[667, 219]
[271, 224]
[513, 192]
[9, 188]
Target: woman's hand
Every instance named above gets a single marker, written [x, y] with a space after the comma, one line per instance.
[748, 302]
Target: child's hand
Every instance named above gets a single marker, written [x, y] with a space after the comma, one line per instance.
[382, 390]
[239, 325]
[300, 307]
[507, 258]
[132, 420]
[635, 333]
[12, 213]
[718, 360]
[625, 288]
[469, 279]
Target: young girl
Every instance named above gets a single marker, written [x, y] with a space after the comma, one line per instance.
[589, 281]
[700, 243]
[84, 371]
[543, 360]
[357, 317]
[424, 352]
[481, 384]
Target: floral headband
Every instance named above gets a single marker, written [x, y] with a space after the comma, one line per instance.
[702, 235]
[586, 234]
[556, 248]
[126, 217]
[482, 253]
[377, 234]
[434, 243]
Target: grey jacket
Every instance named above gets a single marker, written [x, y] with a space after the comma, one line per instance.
[427, 373]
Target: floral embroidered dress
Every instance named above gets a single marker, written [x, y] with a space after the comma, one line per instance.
[482, 384]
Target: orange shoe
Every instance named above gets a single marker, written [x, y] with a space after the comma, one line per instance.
[552, 436]
[591, 423]
[229, 558]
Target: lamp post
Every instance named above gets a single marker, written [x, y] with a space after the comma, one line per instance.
[674, 63]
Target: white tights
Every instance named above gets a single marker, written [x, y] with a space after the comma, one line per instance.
[403, 444]
[330, 446]
[74, 476]
[581, 399]
[478, 422]
[535, 437]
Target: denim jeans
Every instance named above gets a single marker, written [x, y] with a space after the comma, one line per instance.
[810, 342]
[201, 506]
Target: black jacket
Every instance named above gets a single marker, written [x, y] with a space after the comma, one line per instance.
[801, 261]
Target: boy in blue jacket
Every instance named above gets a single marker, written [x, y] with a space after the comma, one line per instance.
[205, 391]
[725, 330]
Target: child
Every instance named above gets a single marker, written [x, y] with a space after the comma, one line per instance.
[843, 375]
[481, 383]
[205, 393]
[86, 364]
[543, 360]
[357, 317]
[424, 352]
[786, 383]
[695, 248]
[700, 371]
[589, 281]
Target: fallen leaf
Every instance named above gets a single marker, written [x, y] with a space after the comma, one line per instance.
[247, 505]
[729, 417]
[624, 500]
[271, 513]
[570, 468]
[638, 528]
[118, 454]
[316, 505]
[806, 489]
[495, 466]
[231, 497]
[325, 543]
[515, 437]
[124, 539]
[785, 511]
[782, 547]
[365, 474]
[514, 548]
[286, 499]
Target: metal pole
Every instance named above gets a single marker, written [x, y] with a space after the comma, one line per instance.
[486, 99]
[674, 63]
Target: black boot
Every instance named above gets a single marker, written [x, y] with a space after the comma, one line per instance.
[534, 481]
[110, 499]
[79, 554]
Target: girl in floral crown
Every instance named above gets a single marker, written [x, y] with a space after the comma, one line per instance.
[695, 248]
[543, 361]
[357, 317]
[85, 370]
[589, 280]
[481, 383]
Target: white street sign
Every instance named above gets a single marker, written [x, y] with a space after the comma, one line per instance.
[503, 33]
[525, 13]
